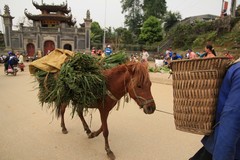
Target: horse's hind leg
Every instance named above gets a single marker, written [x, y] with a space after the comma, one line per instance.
[85, 125]
[96, 133]
[64, 129]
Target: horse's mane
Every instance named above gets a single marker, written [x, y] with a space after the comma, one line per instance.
[139, 73]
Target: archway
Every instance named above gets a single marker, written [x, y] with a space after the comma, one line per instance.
[30, 50]
[48, 46]
[68, 47]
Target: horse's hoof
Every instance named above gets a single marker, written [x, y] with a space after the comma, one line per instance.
[64, 131]
[111, 155]
[91, 135]
[88, 131]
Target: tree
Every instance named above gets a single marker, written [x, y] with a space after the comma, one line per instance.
[151, 31]
[109, 35]
[156, 8]
[170, 19]
[124, 36]
[96, 33]
[134, 16]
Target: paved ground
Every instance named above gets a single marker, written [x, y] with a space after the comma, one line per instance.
[31, 132]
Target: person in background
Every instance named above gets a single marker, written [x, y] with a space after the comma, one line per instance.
[108, 50]
[176, 56]
[94, 51]
[224, 13]
[168, 62]
[187, 55]
[145, 56]
[39, 54]
[10, 61]
[20, 61]
[6, 61]
[192, 55]
[227, 54]
[133, 58]
[203, 54]
[169, 52]
[224, 142]
[210, 52]
[99, 53]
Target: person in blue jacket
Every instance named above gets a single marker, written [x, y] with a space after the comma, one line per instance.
[108, 50]
[224, 142]
[176, 56]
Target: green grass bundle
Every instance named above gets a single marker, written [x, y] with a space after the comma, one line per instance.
[162, 69]
[114, 60]
[80, 81]
[47, 83]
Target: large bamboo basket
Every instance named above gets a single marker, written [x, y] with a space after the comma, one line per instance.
[195, 91]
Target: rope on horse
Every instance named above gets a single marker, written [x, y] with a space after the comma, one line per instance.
[164, 112]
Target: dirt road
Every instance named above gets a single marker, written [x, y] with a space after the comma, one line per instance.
[31, 132]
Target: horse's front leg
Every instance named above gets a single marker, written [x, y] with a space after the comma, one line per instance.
[104, 116]
[96, 133]
[62, 110]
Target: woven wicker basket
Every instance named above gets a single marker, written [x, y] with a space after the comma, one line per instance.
[195, 90]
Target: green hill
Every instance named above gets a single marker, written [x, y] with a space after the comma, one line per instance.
[223, 34]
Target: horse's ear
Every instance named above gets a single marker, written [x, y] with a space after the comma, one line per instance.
[131, 68]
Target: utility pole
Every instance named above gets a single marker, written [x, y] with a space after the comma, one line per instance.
[104, 29]
[233, 8]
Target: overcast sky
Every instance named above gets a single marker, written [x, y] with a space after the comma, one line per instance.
[114, 17]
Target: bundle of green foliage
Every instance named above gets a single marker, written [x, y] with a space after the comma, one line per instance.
[113, 60]
[163, 69]
[80, 81]
[47, 83]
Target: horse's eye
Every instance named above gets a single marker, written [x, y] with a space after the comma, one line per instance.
[139, 86]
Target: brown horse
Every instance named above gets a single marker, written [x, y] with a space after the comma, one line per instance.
[131, 78]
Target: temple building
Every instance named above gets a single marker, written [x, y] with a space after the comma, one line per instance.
[53, 28]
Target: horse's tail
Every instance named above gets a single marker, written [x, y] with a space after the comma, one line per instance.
[60, 109]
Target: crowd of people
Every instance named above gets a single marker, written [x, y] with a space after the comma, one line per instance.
[144, 55]
[98, 52]
[208, 52]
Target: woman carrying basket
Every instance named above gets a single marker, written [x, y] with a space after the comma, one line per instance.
[224, 142]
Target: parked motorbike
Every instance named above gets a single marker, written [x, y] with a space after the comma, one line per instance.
[11, 70]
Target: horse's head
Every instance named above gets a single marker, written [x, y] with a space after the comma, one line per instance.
[139, 87]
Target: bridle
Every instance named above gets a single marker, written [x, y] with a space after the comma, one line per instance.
[142, 101]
